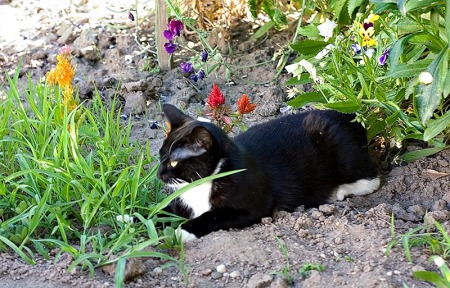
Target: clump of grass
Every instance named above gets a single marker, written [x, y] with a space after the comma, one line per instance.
[286, 273]
[64, 175]
[71, 179]
[304, 271]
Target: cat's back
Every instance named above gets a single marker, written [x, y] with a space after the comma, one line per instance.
[316, 126]
[307, 156]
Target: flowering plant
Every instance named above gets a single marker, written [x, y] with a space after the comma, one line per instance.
[62, 76]
[372, 68]
[175, 27]
[222, 114]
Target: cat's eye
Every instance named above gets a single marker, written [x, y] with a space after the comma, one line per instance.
[173, 163]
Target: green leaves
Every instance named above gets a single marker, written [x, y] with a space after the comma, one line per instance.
[309, 47]
[303, 99]
[430, 96]
[270, 7]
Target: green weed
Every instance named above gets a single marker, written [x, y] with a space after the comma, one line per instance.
[306, 269]
[286, 273]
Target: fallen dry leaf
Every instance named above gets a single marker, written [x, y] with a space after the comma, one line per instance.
[433, 174]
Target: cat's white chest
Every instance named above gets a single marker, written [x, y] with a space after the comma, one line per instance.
[198, 199]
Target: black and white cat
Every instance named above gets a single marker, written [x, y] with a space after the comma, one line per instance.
[309, 158]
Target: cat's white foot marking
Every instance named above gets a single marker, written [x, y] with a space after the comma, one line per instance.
[187, 236]
[360, 187]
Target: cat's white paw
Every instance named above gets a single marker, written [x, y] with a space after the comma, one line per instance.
[185, 235]
[358, 188]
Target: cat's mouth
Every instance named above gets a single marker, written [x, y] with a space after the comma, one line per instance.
[175, 184]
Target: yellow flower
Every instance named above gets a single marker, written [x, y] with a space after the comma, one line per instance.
[366, 32]
[372, 18]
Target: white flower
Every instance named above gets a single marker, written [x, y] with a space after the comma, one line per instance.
[369, 52]
[125, 218]
[438, 260]
[324, 51]
[425, 78]
[326, 29]
[297, 69]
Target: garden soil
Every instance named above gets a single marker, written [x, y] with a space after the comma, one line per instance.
[350, 240]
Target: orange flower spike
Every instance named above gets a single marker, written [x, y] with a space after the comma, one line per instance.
[244, 106]
[64, 72]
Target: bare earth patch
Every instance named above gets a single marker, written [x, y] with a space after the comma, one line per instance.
[348, 239]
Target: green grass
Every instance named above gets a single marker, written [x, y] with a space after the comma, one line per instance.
[66, 178]
[287, 273]
[64, 175]
[433, 238]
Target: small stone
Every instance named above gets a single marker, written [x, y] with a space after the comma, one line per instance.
[327, 209]
[221, 269]
[338, 240]
[439, 205]
[216, 275]
[266, 220]
[91, 53]
[439, 216]
[279, 282]
[259, 280]
[206, 272]
[389, 273]
[158, 270]
[303, 233]
[417, 268]
[235, 274]
[67, 36]
[315, 214]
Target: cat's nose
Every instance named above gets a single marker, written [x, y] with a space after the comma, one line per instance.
[162, 175]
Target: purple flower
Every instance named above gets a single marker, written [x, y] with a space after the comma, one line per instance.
[170, 47]
[384, 57]
[201, 74]
[204, 56]
[175, 26]
[168, 35]
[194, 77]
[186, 67]
[356, 49]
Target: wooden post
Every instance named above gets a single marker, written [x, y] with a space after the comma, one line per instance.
[164, 58]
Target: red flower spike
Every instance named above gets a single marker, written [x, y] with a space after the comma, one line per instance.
[215, 97]
[244, 106]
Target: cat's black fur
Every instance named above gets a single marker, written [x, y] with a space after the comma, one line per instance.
[295, 160]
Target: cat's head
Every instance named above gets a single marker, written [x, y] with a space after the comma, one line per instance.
[192, 149]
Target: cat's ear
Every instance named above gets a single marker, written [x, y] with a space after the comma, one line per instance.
[201, 137]
[175, 116]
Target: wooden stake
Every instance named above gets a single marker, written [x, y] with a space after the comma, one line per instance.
[164, 58]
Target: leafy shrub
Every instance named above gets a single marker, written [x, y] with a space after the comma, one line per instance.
[390, 66]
